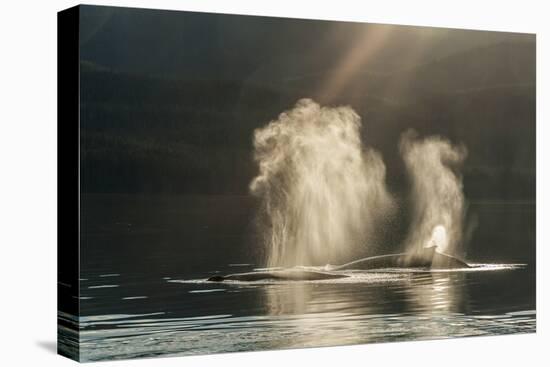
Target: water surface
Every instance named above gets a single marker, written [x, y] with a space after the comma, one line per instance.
[143, 291]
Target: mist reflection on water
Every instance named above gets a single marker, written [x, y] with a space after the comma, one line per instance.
[423, 295]
[381, 307]
[150, 313]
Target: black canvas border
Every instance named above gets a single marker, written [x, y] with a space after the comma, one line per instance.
[68, 183]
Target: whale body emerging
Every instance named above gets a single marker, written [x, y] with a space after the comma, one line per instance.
[426, 258]
[278, 275]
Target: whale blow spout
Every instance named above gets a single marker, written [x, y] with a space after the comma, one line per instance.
[433, 164]
[323, 194]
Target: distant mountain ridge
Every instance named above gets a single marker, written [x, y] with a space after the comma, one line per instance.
[172, 133]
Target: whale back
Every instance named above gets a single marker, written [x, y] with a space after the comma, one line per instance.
[425, 258]
[278, 275]
[374, 262]
[443, 261]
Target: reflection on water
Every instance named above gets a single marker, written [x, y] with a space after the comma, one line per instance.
[142, 288]
[239, 316]
[424, 293]
[435, 293]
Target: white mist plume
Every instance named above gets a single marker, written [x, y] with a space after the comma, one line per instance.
[437, 194]
[321, 192]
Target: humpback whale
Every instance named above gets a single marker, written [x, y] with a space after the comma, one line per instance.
[427, 258]
[278, 275]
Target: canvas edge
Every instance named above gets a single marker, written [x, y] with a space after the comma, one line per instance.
[68, 183]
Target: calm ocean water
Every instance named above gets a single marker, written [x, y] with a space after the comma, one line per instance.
[143, 294]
